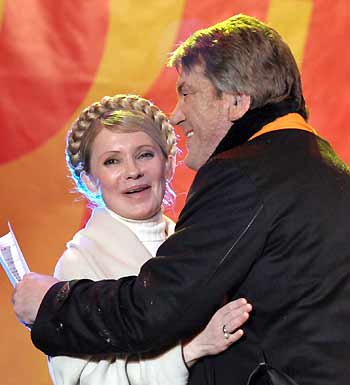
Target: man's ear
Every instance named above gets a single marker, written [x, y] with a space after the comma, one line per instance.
[239, 106]
[89, 182]
[170, 167]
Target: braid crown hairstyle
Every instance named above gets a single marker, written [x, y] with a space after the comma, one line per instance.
[98, 115]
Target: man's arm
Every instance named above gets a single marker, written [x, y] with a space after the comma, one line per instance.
[219, 235]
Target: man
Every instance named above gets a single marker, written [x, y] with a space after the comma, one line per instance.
[265, 218]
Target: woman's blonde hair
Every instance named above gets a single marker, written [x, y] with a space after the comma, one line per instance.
[120, 113]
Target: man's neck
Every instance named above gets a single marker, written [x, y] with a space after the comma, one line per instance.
[252, 121]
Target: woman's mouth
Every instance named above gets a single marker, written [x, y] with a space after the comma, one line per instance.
[137, 189]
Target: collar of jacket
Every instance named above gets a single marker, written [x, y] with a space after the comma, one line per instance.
[253, 121]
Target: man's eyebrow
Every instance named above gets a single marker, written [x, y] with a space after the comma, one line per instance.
[179, 87]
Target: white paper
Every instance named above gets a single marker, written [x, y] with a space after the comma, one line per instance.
[11, 257]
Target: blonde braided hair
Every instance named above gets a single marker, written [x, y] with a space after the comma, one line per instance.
[93, 118]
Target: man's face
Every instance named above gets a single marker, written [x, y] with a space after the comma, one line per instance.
[203, 115]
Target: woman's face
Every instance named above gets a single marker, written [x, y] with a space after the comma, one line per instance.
[129, 170]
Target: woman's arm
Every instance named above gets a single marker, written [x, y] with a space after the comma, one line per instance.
[212, 339]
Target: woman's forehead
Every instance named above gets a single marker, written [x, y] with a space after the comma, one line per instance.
[108, 137]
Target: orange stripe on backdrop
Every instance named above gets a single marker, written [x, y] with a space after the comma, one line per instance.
[196, 15]
[50, 52]
[326, 73]
[49, 55]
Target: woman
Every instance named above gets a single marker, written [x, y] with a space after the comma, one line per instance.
[121, 153]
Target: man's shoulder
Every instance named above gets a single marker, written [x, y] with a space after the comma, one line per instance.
[269, 143]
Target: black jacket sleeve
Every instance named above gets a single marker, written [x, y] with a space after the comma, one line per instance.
[219, 235]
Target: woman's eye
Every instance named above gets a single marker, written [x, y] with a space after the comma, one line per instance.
[110, 161]
[146, 155]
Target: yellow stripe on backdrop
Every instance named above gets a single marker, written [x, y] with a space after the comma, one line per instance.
[35, 188]
[139, 40]
[291, 19]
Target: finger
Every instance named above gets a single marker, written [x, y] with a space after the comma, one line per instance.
[235, 336]
[247, 308]
[15, 292]
[233, 323]
[236, 304]
[237, 312]
[29, 275]
[232, 306]
[237, 307]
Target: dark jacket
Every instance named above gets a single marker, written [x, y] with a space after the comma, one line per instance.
[265, 219]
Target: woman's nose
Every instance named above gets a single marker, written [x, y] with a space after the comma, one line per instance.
[133, 170]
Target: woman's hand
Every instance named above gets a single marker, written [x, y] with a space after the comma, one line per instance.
[220, 333]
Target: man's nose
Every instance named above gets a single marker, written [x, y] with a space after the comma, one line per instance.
[177, 116]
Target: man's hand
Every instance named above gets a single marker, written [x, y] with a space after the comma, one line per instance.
[28, 295]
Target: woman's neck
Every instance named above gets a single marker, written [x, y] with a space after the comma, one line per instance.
[151, 232]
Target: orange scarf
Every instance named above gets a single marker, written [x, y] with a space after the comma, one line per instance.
[286, 122]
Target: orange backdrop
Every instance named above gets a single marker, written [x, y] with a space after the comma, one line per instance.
[58, 56]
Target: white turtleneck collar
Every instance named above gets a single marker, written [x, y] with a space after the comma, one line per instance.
[151, 232]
